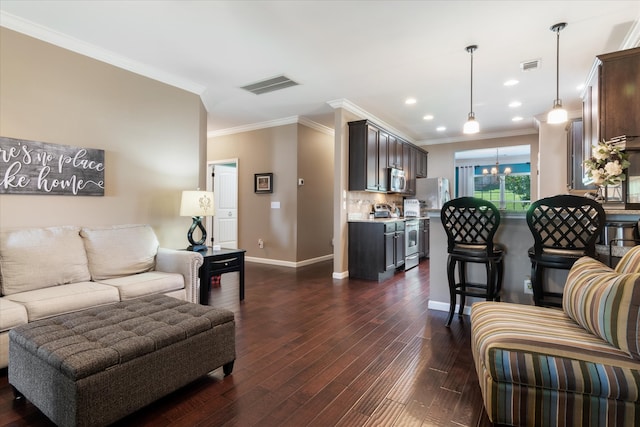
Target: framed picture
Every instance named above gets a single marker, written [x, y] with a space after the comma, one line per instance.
[263, 183]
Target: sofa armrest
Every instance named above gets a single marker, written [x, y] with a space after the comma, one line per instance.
[183, 262]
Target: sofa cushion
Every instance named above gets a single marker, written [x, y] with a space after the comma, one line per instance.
[120, 250]
[38, 258]
[11, 314]
[630, 262]
[42, 303]
[153, 282]
[605, 303]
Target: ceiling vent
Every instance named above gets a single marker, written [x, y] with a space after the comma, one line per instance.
[269, 85]
[530, 65]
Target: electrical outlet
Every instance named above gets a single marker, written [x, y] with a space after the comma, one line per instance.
[528, 288]
[261, 243]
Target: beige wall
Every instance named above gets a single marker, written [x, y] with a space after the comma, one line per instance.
[298, 230]
[152, 135]
[315, 197]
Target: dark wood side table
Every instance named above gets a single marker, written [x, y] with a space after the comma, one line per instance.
[219, 262]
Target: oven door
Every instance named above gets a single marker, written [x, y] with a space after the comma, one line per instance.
[412, 240]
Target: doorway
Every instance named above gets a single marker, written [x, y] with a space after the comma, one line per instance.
[223, 181]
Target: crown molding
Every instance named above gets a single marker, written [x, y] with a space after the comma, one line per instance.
[56, 38]
[353, 108]
[631, 40]
[270, 124]
[480, 136]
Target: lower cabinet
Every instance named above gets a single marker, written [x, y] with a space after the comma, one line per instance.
[376, 249]
[423, 238]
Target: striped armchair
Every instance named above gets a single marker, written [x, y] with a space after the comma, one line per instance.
[579, 366]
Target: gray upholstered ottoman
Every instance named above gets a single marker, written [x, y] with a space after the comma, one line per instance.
[95, 366]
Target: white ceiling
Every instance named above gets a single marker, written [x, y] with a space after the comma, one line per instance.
[373, 54]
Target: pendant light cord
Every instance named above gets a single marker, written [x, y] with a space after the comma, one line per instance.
[471, 104]
[557, 64]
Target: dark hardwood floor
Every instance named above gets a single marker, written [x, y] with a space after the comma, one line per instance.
[313, 351]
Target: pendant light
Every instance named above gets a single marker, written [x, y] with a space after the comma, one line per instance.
[495, 171]
[557, 113]
[471, 126]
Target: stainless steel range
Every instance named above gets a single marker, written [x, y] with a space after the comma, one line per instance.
[411, 233]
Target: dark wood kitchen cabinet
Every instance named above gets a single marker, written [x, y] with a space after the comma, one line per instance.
[421, 163]
[373, 150]
[368, 157]
[423, 238]
[410, 160]
[376, 249]
[611, 104]
[395, 152]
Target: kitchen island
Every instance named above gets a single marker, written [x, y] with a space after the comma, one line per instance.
[514, 234]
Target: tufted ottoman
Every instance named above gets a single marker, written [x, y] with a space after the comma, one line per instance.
[92, 367]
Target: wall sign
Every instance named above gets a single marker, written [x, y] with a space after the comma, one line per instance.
[32, 167]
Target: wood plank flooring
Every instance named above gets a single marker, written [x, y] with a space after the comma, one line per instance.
[313, 351]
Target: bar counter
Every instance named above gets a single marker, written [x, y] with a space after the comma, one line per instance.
[515, 235]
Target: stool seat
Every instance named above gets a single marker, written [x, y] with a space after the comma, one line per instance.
[470, 224]
[479, 251]
[560, 257]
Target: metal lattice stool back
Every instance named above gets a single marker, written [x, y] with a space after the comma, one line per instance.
[470, 223]
[565, 223]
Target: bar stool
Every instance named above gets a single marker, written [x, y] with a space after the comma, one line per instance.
[564, 228]
[470, 224]
[622, 243]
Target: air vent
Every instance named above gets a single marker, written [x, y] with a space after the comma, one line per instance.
[269, 85]
[530, 65]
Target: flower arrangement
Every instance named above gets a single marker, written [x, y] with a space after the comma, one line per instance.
[607, 164]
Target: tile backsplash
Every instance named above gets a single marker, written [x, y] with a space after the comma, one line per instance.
[359, 203]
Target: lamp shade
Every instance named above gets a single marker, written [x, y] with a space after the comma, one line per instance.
[196, 203]
[557, 115]
[471, 126]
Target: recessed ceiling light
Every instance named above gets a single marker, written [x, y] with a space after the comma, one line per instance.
[410, 101]
[511, 82]
[441, 128]
[516, 119]
[428, 117]
[515, 104]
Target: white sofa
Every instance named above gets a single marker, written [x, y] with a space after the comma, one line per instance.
[45, 272]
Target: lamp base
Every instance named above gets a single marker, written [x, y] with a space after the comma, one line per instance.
[198, 248]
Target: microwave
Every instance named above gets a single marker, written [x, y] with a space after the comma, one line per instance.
[397, 181]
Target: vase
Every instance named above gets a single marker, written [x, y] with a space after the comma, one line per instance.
[611, 196]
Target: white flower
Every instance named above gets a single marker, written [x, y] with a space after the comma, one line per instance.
[613, 168]
[597, 176]
[600, 152]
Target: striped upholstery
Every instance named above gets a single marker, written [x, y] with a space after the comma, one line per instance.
[605, 303]
[538, 367]
[630, 262]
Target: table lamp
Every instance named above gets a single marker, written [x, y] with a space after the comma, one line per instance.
[197, 204]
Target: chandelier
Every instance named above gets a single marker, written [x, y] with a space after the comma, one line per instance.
[495, 171]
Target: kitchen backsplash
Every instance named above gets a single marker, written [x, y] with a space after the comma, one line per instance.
[359, 202]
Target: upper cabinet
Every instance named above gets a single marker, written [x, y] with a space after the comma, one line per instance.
[368, 146]
[620, 94]
[373, 150]
[611, 105]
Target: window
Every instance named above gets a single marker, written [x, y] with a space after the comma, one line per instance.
[501, 175]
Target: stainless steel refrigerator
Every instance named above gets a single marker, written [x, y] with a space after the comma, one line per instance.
[434, 192]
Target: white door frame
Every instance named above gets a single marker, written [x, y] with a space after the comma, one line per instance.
[210, 168]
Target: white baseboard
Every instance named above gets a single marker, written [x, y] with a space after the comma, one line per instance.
[292, 264]
[338, 275]
[444, 306]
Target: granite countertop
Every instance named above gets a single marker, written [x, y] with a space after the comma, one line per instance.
[367, 219]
